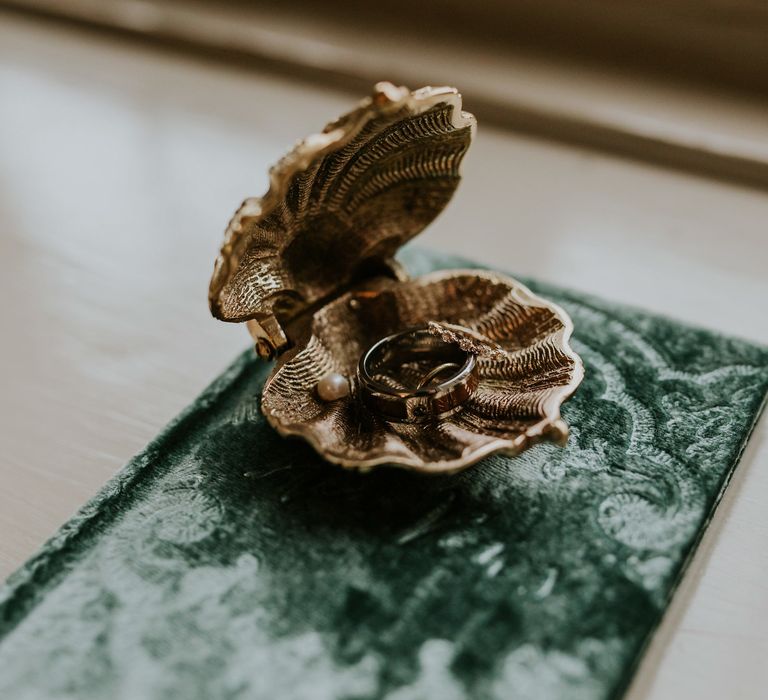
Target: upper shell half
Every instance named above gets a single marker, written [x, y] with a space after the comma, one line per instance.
[522, 383]
[342, 200]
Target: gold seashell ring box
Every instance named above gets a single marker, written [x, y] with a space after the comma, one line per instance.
[372, 367]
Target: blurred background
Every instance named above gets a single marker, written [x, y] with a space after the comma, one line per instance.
[622, 149]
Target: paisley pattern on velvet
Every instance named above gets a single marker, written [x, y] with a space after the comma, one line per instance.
[226, 562]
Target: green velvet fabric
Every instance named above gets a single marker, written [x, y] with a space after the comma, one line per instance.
[226, 562]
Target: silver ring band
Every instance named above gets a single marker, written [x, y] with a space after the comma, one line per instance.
[430, 399]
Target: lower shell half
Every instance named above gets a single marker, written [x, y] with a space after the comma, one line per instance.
[522, 383]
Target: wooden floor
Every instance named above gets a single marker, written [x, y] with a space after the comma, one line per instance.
[119, 168]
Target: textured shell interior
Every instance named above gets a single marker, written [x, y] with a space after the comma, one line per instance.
[342, 200]
[522, 383]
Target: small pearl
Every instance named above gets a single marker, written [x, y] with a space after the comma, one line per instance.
[333, 386]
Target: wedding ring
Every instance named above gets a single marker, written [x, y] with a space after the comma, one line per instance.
[415, 376]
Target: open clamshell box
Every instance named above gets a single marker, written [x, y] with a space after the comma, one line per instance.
[310, 268]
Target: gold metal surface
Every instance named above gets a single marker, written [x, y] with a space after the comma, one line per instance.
[342, 201]
[516, 404]
[310, 267]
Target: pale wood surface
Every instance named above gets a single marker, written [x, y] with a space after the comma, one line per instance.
[119, 168]
[708, 130]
